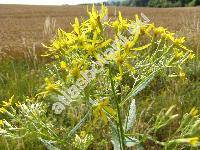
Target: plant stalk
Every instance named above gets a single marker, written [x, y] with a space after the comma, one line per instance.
[119, 120]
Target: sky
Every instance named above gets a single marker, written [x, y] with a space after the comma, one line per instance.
[48, 2]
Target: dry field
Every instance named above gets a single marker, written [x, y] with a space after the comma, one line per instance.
[22, 26]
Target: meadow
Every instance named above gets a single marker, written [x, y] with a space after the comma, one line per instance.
[23, 71]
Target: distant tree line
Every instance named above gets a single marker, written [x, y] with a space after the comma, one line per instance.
[153, 3]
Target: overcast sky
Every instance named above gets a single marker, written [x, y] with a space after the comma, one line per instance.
[48, 2]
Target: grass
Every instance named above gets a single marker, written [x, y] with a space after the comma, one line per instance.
[19, 77]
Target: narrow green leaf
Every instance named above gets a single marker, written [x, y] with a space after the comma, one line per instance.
[130, 119]
[48, 144]
[139, 87]
[73, 131]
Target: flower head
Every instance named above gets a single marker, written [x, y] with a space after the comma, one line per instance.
[8, 103]
[194, 111]
[193, 141]
[101, 109]
[63, 65]
[51, 86]
[1, 123]
[2, 110]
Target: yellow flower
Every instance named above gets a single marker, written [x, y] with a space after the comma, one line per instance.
[182, 75]
[8, 104]
[63, 65]
[2, 110]
[193, 141]
[168, 35]
[115, 24]
[76, 68]
[93, 45]
[179, 40]
[51, 86]
[120, 23]
[164, 33]
[83, 134]
[149, 28]
[18, 104]
[179, 54]
[94, 20]
[1, 123]
[191, 56]
[57, 56]
[194, 111]
[75, 72]
[119, 58]
[159, 30]
[76, 26]
[101, 109]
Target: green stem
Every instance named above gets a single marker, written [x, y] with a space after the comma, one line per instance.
[119, 120]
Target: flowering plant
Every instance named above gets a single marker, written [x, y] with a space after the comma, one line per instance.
[99, 75]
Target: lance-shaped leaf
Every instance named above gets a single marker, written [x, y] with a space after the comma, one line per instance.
[139, 87]
[73, 131]
[130, 119]
[49, 144]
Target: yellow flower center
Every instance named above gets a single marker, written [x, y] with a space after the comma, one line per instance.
[63, 65]
[75, 72]
[194, 141]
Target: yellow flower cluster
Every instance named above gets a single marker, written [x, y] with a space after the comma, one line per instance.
[136, 48]
[192, 141]
[101, 109]
[194, 111]
[6, 104]
[76, 50]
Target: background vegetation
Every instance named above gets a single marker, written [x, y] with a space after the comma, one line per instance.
[154, 3]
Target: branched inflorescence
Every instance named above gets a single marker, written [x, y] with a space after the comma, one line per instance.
[101, 65]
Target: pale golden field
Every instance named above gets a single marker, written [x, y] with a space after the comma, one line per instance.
[24, 26]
